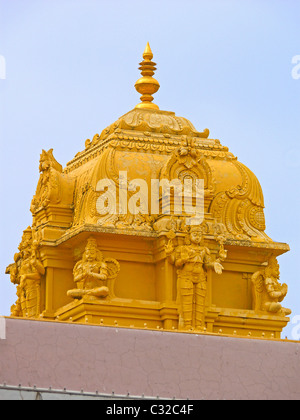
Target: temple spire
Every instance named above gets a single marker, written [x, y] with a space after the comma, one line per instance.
[147, 85]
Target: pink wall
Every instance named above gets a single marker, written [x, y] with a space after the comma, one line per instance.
[75, 357]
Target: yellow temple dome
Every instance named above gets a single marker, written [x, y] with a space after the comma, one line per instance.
[143, 142]
[114, 241]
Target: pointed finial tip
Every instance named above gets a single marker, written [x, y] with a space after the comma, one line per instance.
[148, 48]
[148, 52]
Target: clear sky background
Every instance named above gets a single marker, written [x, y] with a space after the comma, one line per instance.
[225, 65]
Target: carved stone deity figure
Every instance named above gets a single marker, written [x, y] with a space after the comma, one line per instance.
[192, 262]
[94, 275]
[26, 273]
[267, 291]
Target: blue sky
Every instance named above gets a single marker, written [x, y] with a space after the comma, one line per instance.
[225, 65]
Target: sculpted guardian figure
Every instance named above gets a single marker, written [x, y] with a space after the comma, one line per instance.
[26, 273]
[192, 262]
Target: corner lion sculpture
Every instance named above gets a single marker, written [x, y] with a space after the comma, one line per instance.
[267, 291]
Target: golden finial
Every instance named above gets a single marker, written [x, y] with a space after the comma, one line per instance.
[147, 85]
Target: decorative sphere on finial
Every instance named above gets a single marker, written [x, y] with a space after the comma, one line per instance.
[147, 85]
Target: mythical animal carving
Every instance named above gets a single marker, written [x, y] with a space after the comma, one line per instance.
[94, 274]
[54, 187]
[267, 291]
[192, 261]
